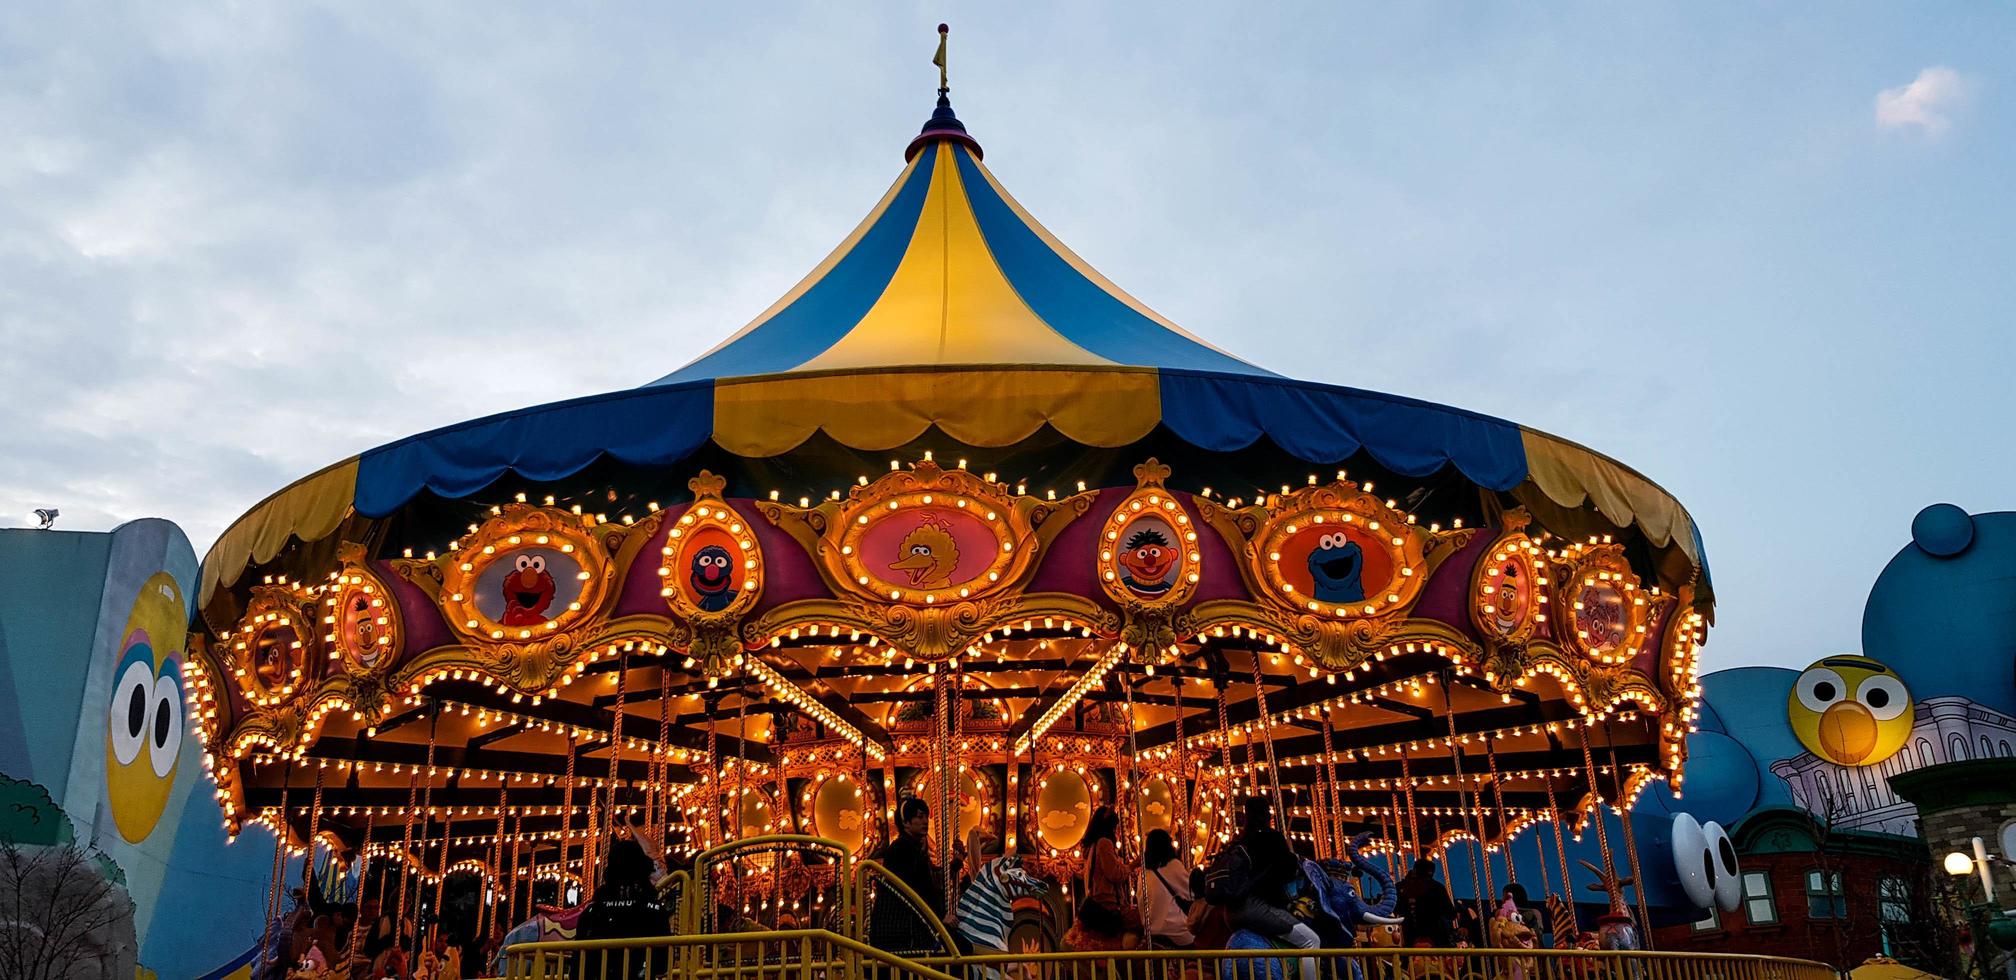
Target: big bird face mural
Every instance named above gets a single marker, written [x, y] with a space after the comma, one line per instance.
[143, 737]
[1850, 710]
[929, 553]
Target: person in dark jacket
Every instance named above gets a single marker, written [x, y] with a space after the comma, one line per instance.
[626, 905]
[892, 925]
[1276, 869]
[1425, 908]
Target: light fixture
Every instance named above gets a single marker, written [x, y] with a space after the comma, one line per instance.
[45, 517]
[1959, 865]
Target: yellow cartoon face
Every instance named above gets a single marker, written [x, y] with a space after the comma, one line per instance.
[1850, 710]
[143, 722]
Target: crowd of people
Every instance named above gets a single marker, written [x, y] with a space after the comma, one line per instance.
[1255, 885]
[315, 940]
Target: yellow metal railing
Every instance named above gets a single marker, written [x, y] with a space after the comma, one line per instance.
[809, 954]
[761, 864]
[1377, 964]
[795, 954]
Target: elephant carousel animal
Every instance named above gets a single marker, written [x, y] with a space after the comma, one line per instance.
[1330, 903]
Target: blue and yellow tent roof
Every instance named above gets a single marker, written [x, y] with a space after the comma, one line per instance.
[950, 307]
[949, 270]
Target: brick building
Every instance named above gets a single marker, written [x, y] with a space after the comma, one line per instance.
[1956, 803]
[1819, 893]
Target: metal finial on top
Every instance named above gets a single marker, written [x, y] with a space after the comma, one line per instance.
[944, 85]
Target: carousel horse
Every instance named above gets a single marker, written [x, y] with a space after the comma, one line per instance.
[1327, 901]
[546, 925]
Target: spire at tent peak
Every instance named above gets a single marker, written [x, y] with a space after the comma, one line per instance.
[948, 270]
[943, 124]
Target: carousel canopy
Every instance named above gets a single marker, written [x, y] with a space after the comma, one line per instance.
[524, 619]
[951, 309]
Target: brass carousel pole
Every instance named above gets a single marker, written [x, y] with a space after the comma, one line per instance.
[487, 917]
[1135, 792]
[1413, 815]
[427, 822]
[314, 826]
[736, 803]
[1465, 811]
[941, 780]
[1333, 794]
[511, 898]
[1498, 795]
[566, 817]
[1561, 911]
[441, 879]
[1126, 770]
[1388, 821]
[1630, 842]
[1602, 830]
[1224, 747]
[710, 780]
[279, 867]
[357, 923]
[661, 761]
[1267, 736]
[617, 715]
[406, 848]
[1179, 797]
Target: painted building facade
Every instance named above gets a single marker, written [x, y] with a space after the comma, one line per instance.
[96, 750]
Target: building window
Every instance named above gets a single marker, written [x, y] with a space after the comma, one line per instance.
[1893, 908]
[1759, 906]
[1824, 897]
[1711, 922]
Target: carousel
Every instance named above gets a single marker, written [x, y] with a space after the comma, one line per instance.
[955, 518]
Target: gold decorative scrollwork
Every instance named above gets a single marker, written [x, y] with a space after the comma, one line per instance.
[365, 626]
[273, 650]
[525, 590]
[1149, 563]
[1336, 571]
[712, 569]
[1508, 591]
[1601, 605]
[928, 559]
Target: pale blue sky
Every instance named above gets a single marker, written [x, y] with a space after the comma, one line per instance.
[238, 243]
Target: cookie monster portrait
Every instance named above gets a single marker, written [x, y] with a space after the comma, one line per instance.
[1337, 565]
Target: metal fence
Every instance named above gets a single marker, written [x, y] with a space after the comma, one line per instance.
[811, 954]
[739, 911]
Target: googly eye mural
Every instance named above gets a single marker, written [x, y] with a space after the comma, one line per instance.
[144, 721]
[1850, 710]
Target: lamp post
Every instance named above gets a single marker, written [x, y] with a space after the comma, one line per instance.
[1988, 925]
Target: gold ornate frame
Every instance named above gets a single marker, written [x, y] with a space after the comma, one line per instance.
[273, 607]
[928, 625]
[355, 580]
[1586, 566]
[1512, 545]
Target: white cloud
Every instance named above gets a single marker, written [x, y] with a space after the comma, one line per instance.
[1927, 103]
